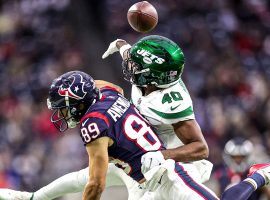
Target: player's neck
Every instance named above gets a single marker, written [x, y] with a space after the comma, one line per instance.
[149, 89]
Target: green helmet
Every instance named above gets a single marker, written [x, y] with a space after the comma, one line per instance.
[154, 60]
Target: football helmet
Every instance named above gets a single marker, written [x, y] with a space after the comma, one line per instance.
[154, 60]
[237, 153]
[70, 96]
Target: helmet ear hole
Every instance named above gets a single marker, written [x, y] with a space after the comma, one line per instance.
[73, 110]
[79, 110]
[81, 106]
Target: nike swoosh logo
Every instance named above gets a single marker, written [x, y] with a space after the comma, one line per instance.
[173, 108]
[84, 122]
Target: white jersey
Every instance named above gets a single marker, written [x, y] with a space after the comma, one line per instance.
[164, 107]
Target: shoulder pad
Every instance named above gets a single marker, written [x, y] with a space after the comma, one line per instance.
[169, 105]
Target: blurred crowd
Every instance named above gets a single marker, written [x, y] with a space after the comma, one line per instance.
[36, 45]
[227, 71]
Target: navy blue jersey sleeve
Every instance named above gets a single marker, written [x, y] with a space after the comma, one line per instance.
[94, 125]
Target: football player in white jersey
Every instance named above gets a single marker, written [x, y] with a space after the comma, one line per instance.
[154, 65]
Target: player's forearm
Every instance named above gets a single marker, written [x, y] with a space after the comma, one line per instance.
[93, 191]
[120, 43]
[101, 83]
[123, 47]
[189, 152]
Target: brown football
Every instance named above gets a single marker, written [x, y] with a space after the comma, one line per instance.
[142, 16]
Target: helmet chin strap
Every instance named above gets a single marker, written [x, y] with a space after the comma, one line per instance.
[167, 85]
[160, 86]
[71, 122]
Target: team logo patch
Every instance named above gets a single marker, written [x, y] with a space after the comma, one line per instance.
[149, 58]
[75, 89]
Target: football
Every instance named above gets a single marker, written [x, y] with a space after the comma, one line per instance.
[142, 16]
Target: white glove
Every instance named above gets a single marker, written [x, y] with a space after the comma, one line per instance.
[148, 196]
[205, 168]
[151, 160]
[112, 48]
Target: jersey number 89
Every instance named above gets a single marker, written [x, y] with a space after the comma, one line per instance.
[135, 129]
[91, 128]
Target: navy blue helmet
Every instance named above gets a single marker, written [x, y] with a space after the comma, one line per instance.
[70, 96]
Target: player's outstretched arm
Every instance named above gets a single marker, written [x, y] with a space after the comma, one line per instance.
[102, 83]
[118, 45]
[195, 148]
[98, 165]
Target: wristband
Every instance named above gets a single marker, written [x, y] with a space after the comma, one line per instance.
[123, 49]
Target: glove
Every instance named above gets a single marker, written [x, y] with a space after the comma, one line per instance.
[148, 196]
[112, 48]
[151, 160]
[204, 167]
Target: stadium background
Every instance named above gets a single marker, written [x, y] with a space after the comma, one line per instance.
[227, 49]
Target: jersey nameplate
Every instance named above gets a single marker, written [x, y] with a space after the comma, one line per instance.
[118, 108]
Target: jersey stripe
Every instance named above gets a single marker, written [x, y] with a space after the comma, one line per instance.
[108, 88]
[184, 113]
[193, 185]
[97, 115]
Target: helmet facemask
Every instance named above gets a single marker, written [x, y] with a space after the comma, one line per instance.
[65, 116]
[129, 68]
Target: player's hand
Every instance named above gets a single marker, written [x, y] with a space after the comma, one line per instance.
[150, 160]
[114, 47]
